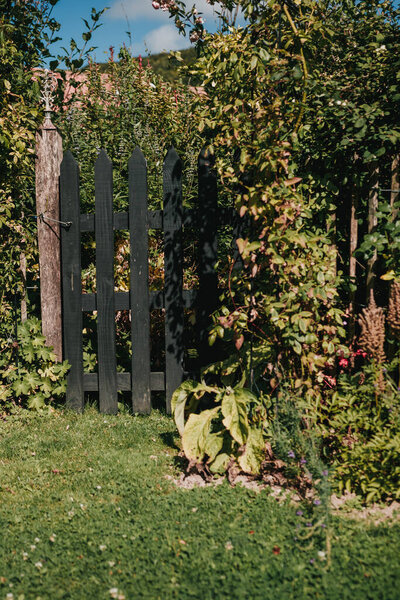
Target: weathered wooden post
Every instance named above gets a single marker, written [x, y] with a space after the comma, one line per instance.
[372, 223]
[352, 248]
[49, 157]
[395, 185]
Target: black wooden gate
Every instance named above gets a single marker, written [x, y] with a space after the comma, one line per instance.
[139, 300]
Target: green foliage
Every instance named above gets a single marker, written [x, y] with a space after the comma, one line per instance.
[282, 305]
[128, 105]
[385, 240]
[302, 104]
[30, 375]
[223, 432]
[351, 124]
[164, 65]
[22, 48]
[360, 426]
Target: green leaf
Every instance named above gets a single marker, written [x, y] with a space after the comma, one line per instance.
[195, 434]
[36, 402]
[388, 276]
[178, 403]
[253, 62]
[214, 444]
[234, 410]
[220, 464]
[250, 461]
[185, 400]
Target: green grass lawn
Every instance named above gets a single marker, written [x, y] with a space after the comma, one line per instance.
[86, 510]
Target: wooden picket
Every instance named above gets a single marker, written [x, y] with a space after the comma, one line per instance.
[139, 300]
[140, 331]
[105, 284]
[173, 265]
[207, 221]
[71, 279]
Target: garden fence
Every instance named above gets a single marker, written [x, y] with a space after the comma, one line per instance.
[141, 381]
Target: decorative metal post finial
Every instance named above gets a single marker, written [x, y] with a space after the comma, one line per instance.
[47, 96]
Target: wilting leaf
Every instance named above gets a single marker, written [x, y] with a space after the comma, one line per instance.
[195, 434]
[220, 464]
[235, 415]
[250, 461]
[186, 399]
[214, 443]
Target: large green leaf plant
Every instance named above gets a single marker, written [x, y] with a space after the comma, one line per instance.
[226, 429]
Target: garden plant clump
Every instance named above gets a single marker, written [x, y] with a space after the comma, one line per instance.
[296, 130]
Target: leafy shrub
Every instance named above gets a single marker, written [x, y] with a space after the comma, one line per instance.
[360, 426]
[302, 103]
[218, 424]
[224, 425]
[128, 105]
[30, 375]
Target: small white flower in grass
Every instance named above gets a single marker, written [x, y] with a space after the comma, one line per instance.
[102, 547]
[37, 540]
[322, 555]
[25, 555]
[38, 564]
[111, 563]
[10, 596]
[98, 487]
[113, 592]
[339, 102]
[52, 538]
[33, 547]
[229, 545]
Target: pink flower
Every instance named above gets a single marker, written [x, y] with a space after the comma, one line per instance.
[344, 363]
[155, 4]
[360, 353]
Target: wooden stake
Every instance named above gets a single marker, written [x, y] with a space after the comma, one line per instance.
[372, 223]
[49, 156]
[353, 262]
[395, 185]
[22, 266]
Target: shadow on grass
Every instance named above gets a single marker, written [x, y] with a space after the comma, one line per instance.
[170, 439]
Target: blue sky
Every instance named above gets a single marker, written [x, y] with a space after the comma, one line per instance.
[152, 31]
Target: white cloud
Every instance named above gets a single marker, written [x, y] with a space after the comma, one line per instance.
[142, 9]
[165, 38]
